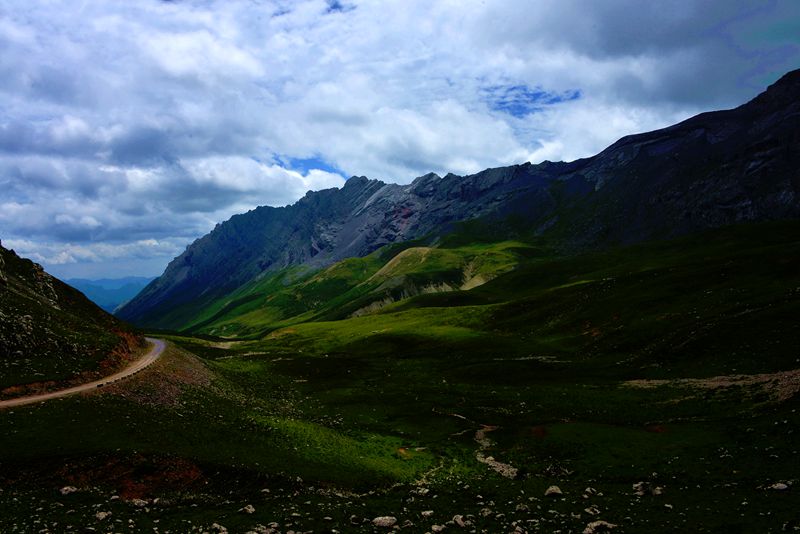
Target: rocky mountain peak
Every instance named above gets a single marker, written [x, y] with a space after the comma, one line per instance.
[357, 182]
[425, 185]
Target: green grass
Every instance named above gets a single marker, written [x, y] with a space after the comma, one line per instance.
[379, 457]
[347, 287]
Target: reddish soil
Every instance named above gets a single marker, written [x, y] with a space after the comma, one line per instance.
[137, 477]
[539, 432]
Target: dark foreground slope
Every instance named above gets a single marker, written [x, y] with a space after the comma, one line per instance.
[50, 333]
[712, 170]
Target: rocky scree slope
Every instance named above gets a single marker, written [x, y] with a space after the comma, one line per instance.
[51, 333]
[712, 170]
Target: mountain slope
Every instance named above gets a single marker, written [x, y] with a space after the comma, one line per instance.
[50, 333]
[712, 170]
[357, 286]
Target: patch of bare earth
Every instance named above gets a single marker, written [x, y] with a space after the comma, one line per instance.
[163, 383]
[134, 477]
[780, 386]
[485, 443]
[226, 345]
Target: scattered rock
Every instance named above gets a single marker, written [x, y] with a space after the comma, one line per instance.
[384, 521]
[427, 513]
[459, 520]
[779, 486]
[216, 527]
[102, 515]
[598, 526]
[645, 488]
[505, 470]
[138, 503]
[437, 528]
[66, 490]
[592, 510]
[552, 491]
[249, 509]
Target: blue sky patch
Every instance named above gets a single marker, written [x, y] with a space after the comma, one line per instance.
[303, 165]
[521, 100]
[335, 6]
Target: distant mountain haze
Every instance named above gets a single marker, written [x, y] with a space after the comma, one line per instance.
[110, 293]
[714, 169]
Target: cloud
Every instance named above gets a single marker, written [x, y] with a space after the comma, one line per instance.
[69, 260]
[200, 56]
[63, 253]
[127, 123]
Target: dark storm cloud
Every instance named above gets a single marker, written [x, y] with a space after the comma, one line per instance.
[696, 53]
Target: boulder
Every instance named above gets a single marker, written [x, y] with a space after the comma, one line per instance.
[553, 491]
[384, 521]
[598, 526]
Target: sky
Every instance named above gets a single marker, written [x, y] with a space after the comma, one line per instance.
[129, 129]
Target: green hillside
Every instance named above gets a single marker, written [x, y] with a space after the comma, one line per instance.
[707, 304]
[355, 286]
[524, 299]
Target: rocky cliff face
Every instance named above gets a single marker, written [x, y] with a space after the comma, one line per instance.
[50, 333]
[714, 169]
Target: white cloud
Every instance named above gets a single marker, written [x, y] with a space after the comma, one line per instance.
[248, 175]
[608, 121]
[64, 253]
[201, 55]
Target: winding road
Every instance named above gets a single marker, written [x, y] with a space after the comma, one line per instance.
[135, 367]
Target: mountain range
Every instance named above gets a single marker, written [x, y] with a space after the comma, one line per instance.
[714, 169]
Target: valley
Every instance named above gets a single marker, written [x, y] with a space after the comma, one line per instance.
[654, 385]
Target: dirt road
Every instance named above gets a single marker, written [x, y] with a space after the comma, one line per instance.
[135, 367]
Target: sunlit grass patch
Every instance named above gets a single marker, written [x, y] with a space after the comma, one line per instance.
[370, 456]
